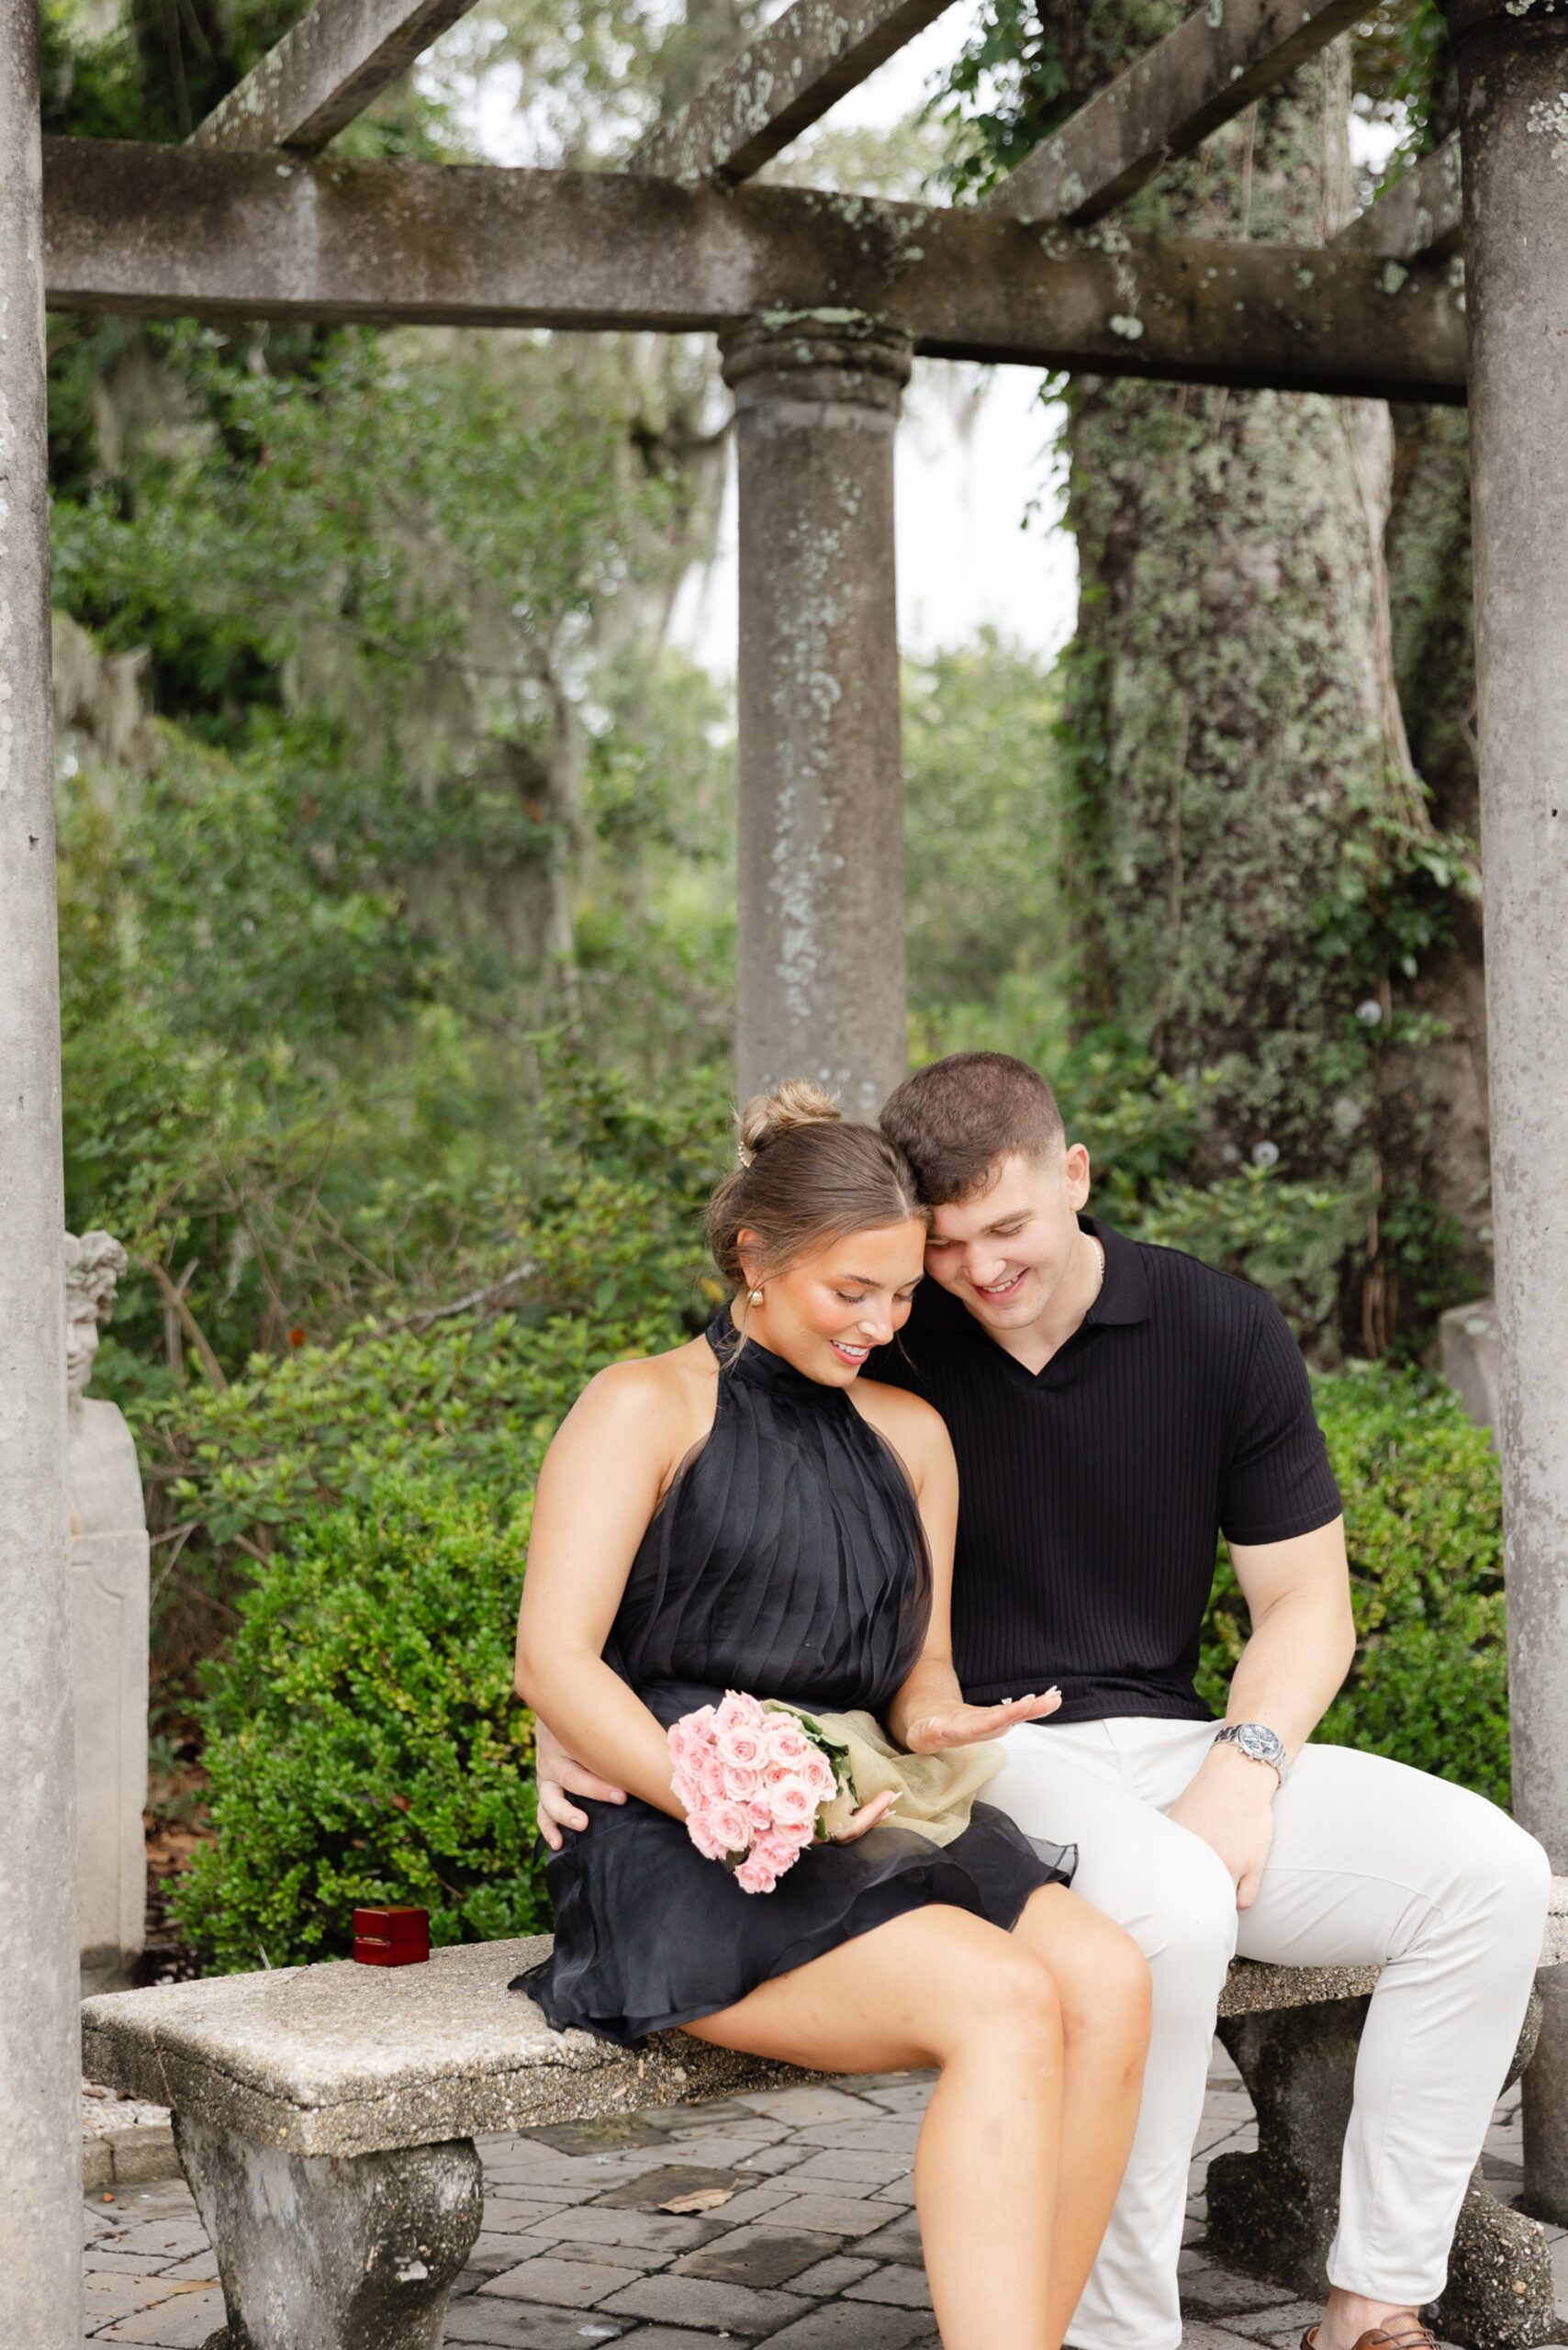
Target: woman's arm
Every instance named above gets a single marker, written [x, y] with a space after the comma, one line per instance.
[929, 1713]
[597, 1489]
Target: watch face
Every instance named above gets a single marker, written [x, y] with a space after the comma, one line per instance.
[1260, 1743]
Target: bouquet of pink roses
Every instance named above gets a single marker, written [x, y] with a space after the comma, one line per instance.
[755, 1779]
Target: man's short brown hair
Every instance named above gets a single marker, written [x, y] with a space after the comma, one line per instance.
[956, 1120]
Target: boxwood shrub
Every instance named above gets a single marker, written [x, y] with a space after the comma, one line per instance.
[1423, 1512]
[364, 1743]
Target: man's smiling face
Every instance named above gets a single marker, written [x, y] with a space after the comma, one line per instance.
[1004, 1250]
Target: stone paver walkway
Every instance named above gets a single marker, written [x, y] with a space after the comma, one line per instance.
[792, 2226]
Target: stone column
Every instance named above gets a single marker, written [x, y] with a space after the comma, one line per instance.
[1513, 67]
[41, 2176]
[820, 957]
[109, 1594]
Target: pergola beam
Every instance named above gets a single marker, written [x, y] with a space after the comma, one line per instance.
[1421, 217]
[389, 244]
[1202, 74]
[325, 71]
[784, 82]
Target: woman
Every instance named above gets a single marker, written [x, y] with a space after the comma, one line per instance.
[745, 1511]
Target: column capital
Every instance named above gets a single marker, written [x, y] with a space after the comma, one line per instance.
[837, 358]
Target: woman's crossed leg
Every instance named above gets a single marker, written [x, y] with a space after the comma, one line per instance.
[1039, 2037]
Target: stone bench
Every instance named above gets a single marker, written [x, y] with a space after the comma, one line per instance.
[324, 2116]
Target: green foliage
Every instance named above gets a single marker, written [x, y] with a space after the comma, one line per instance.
[980, 785]
[1008, 87]
[597, 1258]
[1423, 1513]
[363, 1741]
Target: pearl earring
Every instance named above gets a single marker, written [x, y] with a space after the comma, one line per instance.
[755, 1296]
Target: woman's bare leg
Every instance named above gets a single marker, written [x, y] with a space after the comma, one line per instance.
[941, 1987]
[1102, 1980]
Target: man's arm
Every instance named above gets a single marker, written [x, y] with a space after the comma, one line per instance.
[558, 1777]
[1298, 1597]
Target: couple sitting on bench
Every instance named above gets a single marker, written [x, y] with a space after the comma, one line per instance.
[982, 1506]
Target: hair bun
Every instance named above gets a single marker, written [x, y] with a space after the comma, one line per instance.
[794, 1102]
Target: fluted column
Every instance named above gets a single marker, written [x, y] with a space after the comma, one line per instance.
[40, 2174]
[1513, 65]
[819, 959]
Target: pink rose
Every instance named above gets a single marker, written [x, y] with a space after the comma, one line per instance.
[792, 1800]
[703, 1836]
[796, 1833]
[759, 1811]
[788, 1743]
[741, 1749]
[730, 1824]
[678, 1739]
[756, 1875]
[741, 1785]
[711, 1779]
[818, 1775]
[687, 1794]
[701, 1723]
[737, 1712]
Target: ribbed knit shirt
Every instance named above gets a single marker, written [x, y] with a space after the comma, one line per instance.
[1092, 1492]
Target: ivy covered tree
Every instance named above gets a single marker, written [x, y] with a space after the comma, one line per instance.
[1258, 880]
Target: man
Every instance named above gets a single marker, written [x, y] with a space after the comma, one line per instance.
[1113, 1407]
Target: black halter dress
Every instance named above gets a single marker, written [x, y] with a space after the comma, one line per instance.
[788, 1560]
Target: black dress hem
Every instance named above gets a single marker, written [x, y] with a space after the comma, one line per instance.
[922, 1883]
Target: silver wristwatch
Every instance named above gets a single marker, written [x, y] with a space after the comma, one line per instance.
[1257, 1741]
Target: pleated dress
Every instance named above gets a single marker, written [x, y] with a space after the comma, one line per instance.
[787, 1559]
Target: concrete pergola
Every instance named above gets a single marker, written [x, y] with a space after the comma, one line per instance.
[820, 302]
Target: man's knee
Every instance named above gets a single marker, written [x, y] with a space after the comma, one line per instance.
[1519, 1875]
[1189, 1937]
[1498, 1875]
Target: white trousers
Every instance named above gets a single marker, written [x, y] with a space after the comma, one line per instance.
[1372, 1865]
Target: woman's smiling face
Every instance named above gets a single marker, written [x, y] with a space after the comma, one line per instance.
[826, 1314]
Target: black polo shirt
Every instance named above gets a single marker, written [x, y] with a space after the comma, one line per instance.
[1091, 1492]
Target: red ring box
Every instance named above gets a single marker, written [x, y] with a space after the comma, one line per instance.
[391, 1937]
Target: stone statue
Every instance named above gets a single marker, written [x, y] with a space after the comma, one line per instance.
[109, 1586]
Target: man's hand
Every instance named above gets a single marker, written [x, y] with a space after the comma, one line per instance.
[959, 1725]
[559, 1778]
[1230, 1804]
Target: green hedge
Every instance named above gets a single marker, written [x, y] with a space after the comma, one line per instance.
[1423, 1511]
[364, 1742]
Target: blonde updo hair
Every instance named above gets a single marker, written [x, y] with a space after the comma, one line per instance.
[807, 1177]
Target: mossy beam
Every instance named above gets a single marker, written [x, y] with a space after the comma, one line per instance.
[325, 71]
[172, 231]
[1205, 73]
[787, 80]
[1422, 216]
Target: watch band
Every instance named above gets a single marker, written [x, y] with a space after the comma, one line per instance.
[1258, 1742]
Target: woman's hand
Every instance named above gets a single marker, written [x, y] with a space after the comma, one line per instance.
[959, 1725]
[870, 1815]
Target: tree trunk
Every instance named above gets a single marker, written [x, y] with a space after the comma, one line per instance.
[1235, 726]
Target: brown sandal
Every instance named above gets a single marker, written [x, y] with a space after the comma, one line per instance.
[1404, 2332]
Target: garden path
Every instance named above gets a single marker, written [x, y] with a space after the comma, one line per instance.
[812, 2248]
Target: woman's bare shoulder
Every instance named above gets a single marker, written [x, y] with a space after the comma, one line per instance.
[647, 1396]
[909, 1423]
